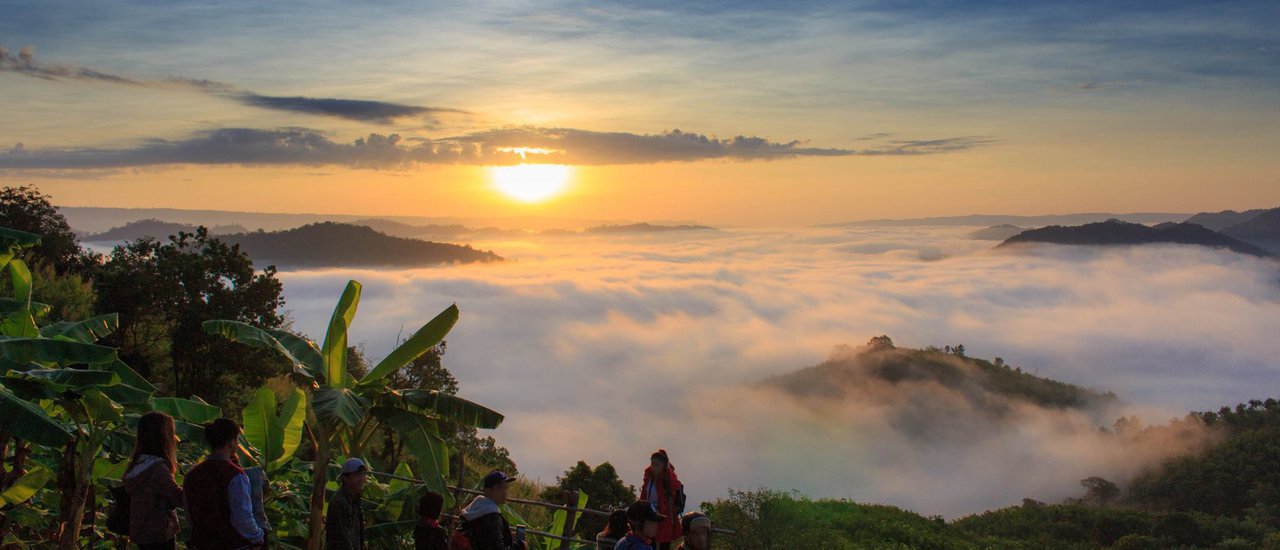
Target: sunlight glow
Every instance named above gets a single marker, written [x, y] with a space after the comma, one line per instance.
[530, 182]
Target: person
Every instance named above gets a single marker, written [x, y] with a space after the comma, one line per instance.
[663, 490]
[697, 531]
[483, 522]
[344, 525]
[217, 491]
[154, 496]
[613, 532]
[428, 534]
[257, 490]
[644, 523]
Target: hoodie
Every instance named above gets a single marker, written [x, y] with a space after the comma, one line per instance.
[153, 500]
[485, 527]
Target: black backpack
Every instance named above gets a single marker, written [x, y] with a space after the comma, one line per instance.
[118, 516]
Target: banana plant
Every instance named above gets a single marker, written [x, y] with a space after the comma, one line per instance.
[344, 413]
[273, 436]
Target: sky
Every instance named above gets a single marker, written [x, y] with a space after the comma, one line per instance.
[734, 114]
[603, 348]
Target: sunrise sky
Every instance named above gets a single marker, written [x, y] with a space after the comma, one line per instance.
[722, 113]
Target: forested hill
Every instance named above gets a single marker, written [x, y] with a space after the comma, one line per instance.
[330, 244]
[155, 229]
[1116, 232]
[979, 380]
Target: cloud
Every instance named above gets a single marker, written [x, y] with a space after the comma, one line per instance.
[310, 147]
[381, 112]
[650, 341]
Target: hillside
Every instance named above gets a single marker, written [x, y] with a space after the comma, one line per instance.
[996, 232]
[1262, 230]
[1115, 233]
[155, 229]
[1219, 221]
[981, 220]
[330, 244]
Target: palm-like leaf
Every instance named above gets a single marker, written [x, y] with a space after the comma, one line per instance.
[304, 350]
[422, 436]
[21, 278]
[24, 420]
[427, 337]
[255, 337]
[338, 405]
[13, 237]
[87, 331]
[55, 352]
[189, 410]
[25, 487]
[335, 339]
[452, 407]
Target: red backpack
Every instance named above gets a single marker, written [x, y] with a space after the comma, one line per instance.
[461, 540]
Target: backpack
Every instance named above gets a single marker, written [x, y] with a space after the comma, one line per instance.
[118, 516]
[461, 540]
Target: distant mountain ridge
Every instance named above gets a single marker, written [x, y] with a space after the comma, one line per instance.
[646, 228]
[331, 244]
[996, 232]
[1116, 232]
[1023, 221]
[156, 229]
[1219, 221]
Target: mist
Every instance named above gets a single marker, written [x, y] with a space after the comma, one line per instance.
[605, 348]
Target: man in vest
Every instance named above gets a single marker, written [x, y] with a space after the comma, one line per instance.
[217, 492]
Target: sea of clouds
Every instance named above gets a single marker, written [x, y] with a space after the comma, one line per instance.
[605, 347]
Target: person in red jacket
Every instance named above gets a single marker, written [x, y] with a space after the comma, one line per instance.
[664, 492]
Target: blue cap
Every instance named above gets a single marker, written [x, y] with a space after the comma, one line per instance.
[496, 478]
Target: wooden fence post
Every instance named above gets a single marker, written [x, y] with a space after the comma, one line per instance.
[571, 516]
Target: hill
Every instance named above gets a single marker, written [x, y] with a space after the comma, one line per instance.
[996, 232]
[1219, 221]
[1115, 232]
[155, 229]
[1262, 230]
[330, 244]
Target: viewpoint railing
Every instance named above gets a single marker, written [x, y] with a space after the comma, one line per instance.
[570, 508]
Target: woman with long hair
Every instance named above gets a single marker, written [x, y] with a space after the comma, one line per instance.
[154, 495]
[665, 493]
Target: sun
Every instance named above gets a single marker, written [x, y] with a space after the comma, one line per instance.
[531, 182]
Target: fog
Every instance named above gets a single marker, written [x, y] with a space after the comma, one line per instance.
[603, 348]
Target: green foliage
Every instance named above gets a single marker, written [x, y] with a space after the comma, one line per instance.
[603, 488]
[28, 210]
[275, 436]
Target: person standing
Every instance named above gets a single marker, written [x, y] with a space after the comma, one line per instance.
[344, 525]
[613, 531]
[664, 492]
[217, 491]
[645, 523]
[428, 534]
[154, 496]
[483, 523]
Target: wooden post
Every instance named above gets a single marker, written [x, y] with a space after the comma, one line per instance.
[571, 516]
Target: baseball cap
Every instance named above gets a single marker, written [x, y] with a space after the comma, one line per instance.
[642, 511]
[495, 478]
[353, 465]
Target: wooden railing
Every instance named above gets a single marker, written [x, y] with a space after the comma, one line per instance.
[570, 507]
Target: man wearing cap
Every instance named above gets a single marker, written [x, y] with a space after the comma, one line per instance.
[483, 522]
[697, 531]
[217, 493]
[344, 525]
[644, 526]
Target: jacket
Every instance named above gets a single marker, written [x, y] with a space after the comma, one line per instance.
[429, 535]
[344, 525]
[153, 500]
[218, 503]
[486, 528]
[662, 494]
[633, 542]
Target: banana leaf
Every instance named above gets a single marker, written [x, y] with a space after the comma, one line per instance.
[13, 237]
[26, 486]
[38, 309]
[422, 437]
[26, 421]
[130, 377]
[334, 405]
[255, 337]
[195, 412]
[427, 337]
[304, 350]
[56, 352]
[60, 380]
[453, 407]
[21, 278]
[334, 349]
[88, 331]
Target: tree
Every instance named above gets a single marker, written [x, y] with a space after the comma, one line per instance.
[880, 342]
[164, 291]
[1098, 491]
[604, 489]
[27, 209]
[345, 412]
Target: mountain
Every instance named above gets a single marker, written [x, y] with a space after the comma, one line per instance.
[1262, 230]
[646, 228]
[1115, 232]
[331, 244]
[996, 232]
[1219, 221]
[155, 229]
[982, 220]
